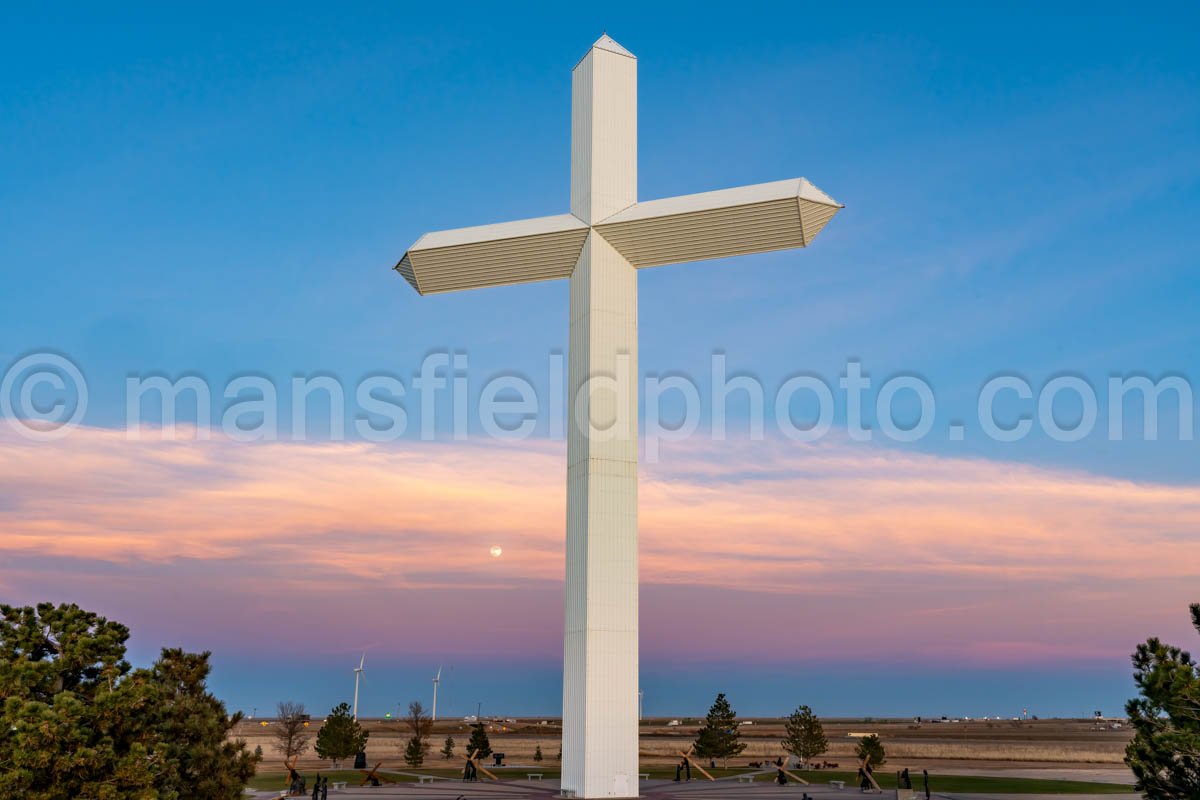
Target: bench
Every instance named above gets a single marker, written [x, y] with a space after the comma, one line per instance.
[335, 785]
[533, 776]
[838, 784]
[746, 778]
[424, 779]
[644, 776]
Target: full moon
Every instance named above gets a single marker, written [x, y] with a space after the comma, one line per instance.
[495, 551]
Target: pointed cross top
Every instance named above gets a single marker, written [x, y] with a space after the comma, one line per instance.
[606, 42]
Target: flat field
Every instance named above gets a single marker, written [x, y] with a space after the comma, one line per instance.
[1053, 749]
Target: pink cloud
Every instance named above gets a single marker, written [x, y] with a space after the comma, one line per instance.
[864, 550]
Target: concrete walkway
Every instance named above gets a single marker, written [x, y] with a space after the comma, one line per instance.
[660, 790]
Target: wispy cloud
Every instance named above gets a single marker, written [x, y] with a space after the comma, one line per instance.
[866, 549]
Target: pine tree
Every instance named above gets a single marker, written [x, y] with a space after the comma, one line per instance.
[479, 744]
[1164, 754]
[79, 721]
[341, 736]
[719, 737]
[537, 754]
[191, 731]
[870, 748]
[420, 724]
[448, 748]
[804, 736]
[414, 752]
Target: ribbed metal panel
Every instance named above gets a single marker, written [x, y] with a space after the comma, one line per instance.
[728, 222]
[523, 259]
[542, 248]
[603, 132]
[813, 217]
[714, 233]
[581, 138]
[479, 234]
[405, 268]
[600, 675]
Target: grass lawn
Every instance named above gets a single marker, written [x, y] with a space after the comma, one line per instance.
[937, 782]
[967, 783]
[278, 780]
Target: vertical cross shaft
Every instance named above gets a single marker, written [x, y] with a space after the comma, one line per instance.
[603, 241]
[600, 674]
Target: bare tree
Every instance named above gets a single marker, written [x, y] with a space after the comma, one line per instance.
[417, 720]
[421, 725]
[291, 734]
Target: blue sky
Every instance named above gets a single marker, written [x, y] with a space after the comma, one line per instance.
[219, 190]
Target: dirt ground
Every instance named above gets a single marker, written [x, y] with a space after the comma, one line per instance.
[1076, 749]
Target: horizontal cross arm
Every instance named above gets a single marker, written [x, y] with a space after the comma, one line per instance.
[537, 249]
[728, 222]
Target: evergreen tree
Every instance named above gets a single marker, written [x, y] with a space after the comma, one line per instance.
[537, 754]
[804, 736]
[719, 737]
[414, 752]
[479, 743]
[1164, 754]
[191, 729]
[420, 724]
[341, 736]
[448, 748]
[78, 721]
[870, 748]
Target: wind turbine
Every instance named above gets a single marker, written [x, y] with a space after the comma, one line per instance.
[358, 673]
[437, 679]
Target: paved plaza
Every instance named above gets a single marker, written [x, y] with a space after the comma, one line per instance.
[544, 790]
[660, 790]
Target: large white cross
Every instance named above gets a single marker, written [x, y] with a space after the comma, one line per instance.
[600, 245]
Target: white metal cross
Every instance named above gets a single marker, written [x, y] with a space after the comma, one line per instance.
[599, 246]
